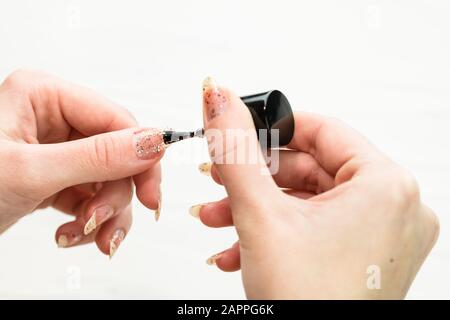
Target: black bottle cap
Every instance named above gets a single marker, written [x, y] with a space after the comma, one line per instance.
[271, 111]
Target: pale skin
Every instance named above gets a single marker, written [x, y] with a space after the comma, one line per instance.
[66, 147]
[336, 207]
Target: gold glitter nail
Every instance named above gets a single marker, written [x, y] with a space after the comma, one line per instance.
[195, 210]
[63, 241]
[212, 260]
[90, 225]
[115, 241]
[148, 143]
[158, 211]
[215, 100]
[68, 240]
[100, 215]
[205, 168]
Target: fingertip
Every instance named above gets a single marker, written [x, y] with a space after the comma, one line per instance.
[149, 144]
[112, 233]
[218, 101]
[149, 199]
[209, 169]
[214, 214]
[229, 260]
[102, 240]
[205, 168]
[215, 175]
[69, 234]
[148, 187]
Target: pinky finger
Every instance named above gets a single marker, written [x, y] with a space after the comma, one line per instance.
[228, 260]
[71, 234]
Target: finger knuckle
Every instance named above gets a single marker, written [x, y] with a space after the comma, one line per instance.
[23, 79]
[105, 151]
[405, 189]
[312, 178]
[408, 186]
[18, 77]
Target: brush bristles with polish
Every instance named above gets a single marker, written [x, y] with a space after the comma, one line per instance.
[171, 136]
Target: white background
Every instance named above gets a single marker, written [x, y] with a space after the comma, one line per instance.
[381, 66]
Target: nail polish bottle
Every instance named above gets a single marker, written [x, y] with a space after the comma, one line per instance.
[271, 110]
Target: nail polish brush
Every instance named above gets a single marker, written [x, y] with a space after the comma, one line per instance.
[171, 136]
[270, 111]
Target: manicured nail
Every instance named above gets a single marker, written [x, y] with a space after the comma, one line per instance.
[100, 215]
[205, 168]
[148, 143]
[115, 241]
[158, 210]
[67, 240]
[212, 260]
[215, 101]
[195, 210]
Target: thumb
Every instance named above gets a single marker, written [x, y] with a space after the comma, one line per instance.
[103, 157]
[233, 145]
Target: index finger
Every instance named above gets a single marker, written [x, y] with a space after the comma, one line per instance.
[89, 112]
[59, 105]
[331, 142]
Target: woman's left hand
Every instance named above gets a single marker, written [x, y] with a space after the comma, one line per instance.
[64, 146]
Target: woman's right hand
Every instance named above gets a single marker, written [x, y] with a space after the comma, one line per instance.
[338, 220]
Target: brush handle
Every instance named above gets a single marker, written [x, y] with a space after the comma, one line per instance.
[171, 136]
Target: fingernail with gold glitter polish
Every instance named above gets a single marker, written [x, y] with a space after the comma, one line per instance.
[115, 241]
[215, 100]
[205, 168]
[100, 215]
[158, 210]
[148, 143]
[212, 260]
[68, 239]
[195, 210]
